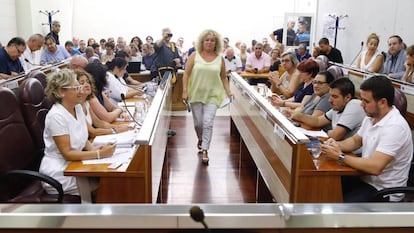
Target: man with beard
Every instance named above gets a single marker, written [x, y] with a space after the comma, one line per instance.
[386, 141]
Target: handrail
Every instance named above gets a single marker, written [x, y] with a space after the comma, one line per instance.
[369, 74]
[146, 134]
[230, 216]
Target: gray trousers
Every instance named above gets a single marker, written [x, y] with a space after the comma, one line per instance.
[203, 117]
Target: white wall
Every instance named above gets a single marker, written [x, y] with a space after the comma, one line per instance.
[8, 27]
[239, 20]
[383, 17]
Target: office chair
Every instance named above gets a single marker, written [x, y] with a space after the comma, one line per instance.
[408, 190]
[400, 101]
[39, 75]
[20, 181]
[336, 71]
[323, 62]
[34, 106]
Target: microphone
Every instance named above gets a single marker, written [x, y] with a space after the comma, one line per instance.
[197, 214]
[130, 86]
[362, 45]
[130, 114]
[33, 64]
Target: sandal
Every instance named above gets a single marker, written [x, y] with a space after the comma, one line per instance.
[205, 158]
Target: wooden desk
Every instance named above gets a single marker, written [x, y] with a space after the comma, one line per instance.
[139, 181]
[245, 74]
[279, 151]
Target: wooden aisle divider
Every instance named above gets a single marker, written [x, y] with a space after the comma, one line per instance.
[279, 151]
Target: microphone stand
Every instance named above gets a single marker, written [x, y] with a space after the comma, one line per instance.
[130, 114]
[360, 50]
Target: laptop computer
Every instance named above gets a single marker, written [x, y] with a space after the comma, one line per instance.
[134, 67]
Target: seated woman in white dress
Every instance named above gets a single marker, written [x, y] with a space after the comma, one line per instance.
[116, 84]
[66, 134]
[371, 60]
[96, 126]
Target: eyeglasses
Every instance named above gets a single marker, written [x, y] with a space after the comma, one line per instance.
[77, 88]
[18, 50]
[258, 48]
[285, 60]
[318, 82]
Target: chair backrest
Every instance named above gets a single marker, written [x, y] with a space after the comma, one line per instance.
[39, 75]
[16, 147]
[400, 101]
[323, 62]
[34, 106]
[336, 71]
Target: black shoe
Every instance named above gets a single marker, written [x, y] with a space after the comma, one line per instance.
[199, 144]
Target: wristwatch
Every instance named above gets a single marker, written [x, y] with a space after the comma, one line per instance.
[113, 130]
[341, 159]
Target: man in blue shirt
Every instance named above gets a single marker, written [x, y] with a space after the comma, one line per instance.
[10, 65]
[52, 52]
[394, 63]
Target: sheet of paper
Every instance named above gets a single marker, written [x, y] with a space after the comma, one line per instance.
[124, 139]
[225, 102]
[313, 133]
[121, 155]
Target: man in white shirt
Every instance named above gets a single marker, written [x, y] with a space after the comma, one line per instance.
[30, 58]
[387, 146]
[232, 62]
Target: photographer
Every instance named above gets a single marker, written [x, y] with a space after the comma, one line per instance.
[167, 56]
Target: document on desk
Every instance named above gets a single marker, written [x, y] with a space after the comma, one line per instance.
[120, 156]
[122, 140]
[313, 133]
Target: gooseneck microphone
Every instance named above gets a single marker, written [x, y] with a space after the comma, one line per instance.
[33, 64]
[362, 46]
[142, 90]
[197, 214]
[130, 114]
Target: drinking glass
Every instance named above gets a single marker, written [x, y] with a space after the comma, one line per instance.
[315, 148]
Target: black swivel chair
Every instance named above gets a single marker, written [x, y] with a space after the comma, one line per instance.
[20, 181]
[323, 62]
[39, 75]
[336, 72]
[34, 106]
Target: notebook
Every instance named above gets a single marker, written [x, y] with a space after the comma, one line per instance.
[134, 67]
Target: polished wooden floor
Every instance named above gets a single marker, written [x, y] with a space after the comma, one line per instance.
[227, 178]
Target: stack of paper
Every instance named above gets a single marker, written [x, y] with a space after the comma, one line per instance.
[122, 140]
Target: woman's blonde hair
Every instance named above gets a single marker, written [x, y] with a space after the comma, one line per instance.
[63, 78]
[79, 73]
[203, 35]
[373, 36]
